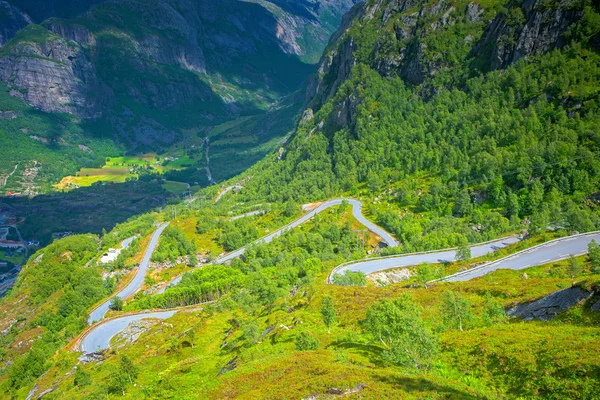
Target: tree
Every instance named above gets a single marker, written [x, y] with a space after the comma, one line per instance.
[456, 311]
[513, 207]
[291, 209]
[305, 341]
[399, 327]
[123, 375]
[463, 253]
[82, 378]
[425, 274]
[251, 332]
[127, 367]
[350, 278]
[493, 312]
[574, 266]
[539, 220]
[116, 303]
[328, 313]
[594, 256]
[462, 205]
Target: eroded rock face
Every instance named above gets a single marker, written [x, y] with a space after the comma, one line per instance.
[548, 307]
[410, 30]
[54, 75]
[175, 53]
[533, 28]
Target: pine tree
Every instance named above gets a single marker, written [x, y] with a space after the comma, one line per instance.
[328, 312]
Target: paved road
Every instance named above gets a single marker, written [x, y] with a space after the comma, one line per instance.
[553, 251]
[227, 190]
[385, 263]
[356, 211]
[137, 280]
[248, 214]
[99, 338]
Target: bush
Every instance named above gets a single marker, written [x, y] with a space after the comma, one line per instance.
[116, 303]
[305, 342]
[350, 278]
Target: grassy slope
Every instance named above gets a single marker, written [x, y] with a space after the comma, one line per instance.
[508, 359]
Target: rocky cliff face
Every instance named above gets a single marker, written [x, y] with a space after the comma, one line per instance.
[526, 29]
[217, 56]
[410, 39]
[51, 73]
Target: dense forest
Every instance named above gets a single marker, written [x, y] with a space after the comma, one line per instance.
[466, 147]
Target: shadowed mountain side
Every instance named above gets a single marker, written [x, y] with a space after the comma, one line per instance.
[85, 210]
[40, 10]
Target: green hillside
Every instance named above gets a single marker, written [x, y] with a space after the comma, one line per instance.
[453, 123]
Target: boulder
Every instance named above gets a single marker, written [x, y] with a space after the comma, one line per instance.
[548, 307]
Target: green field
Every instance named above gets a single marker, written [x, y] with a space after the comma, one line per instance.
[177, 188]
[119, 169]
[89, 176]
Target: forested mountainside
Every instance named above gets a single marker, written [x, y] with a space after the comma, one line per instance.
[147, 75]
[457, 109]
[453, 122]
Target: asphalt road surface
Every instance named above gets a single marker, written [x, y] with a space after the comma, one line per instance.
[409, 260]
[553, 251]
[99, 338]
[137, 280]
[356, 212]
[227, 190]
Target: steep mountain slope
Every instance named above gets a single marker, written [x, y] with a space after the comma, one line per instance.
[453, 109]
[454, 122]
[154, 73]
[12, 20]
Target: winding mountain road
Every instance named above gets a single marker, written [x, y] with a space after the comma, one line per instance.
[408, 260]
[99, 337]
[552, 251]
[227, 190]
[356, 212]
[137, 281]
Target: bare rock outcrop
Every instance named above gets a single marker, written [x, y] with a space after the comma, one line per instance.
[529, 28]
[53, 74]
[548, 307]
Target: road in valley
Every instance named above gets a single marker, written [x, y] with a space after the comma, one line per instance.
[248, 214]
[137, 280]
[100, 336]
[227, 190]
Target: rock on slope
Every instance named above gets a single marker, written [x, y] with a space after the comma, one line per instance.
[223, 42]
[51, 73]
[412, 35]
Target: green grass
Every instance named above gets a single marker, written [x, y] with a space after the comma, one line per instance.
[177, 188]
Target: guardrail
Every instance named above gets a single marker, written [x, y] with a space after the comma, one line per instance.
[519, 253]
[76, 346]
[224, 258]
[347, 263]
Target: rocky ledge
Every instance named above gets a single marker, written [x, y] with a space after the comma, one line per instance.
[548, 307]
